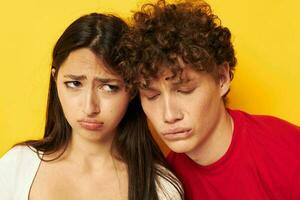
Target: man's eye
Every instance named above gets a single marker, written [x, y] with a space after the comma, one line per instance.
[110, 88]
[186, 91]
[153, 97]
[72, 84]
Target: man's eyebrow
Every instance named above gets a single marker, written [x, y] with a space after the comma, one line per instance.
[147, 88]
[173, 83]
[181, 81]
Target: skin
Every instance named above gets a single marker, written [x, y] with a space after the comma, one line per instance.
[89, 94]
[189, 115]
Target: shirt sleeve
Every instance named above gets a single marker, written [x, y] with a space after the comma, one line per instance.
[169, 187]
[8, 164]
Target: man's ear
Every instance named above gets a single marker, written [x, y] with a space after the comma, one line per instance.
[224, 78]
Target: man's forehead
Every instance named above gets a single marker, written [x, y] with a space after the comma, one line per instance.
[168, 76]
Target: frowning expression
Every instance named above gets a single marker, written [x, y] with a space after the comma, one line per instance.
[186, 110]
[93, 98]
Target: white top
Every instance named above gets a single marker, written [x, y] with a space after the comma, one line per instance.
[19, 166]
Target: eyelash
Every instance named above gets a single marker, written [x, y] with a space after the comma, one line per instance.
[186, 91]
[75, 84]
[112, 88]
[107, 87]
[180, 91]
[152, 97]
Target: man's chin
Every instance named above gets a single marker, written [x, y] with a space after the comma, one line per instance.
[179, 146]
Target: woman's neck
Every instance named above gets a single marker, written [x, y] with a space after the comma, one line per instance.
[90, 155]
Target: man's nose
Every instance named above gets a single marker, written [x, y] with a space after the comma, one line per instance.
[171, 110]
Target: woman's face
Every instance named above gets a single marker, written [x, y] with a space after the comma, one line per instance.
[93, 99]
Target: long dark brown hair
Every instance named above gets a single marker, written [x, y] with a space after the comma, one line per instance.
[145, 162]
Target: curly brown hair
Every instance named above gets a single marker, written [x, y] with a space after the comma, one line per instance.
[161, 32]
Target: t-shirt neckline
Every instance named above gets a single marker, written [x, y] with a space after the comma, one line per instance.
[237, 126]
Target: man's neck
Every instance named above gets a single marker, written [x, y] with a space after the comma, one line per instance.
[216, 144]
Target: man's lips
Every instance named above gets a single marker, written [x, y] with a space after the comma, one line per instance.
[89, 124]
[178, 133]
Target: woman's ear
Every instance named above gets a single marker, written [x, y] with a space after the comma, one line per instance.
[53, 70]
[224, 78]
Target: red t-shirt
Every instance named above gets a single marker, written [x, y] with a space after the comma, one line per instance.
[262, 162]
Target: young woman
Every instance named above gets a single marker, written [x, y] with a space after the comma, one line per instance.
[96, 143]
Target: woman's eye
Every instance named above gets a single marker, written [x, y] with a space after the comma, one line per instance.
[72, 84]
[110, 88]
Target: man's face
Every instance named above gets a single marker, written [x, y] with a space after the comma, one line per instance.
[186, 111]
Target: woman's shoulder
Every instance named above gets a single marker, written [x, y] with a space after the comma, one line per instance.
[17, 167]
[168, 185]
[17, 155]
[18, 158]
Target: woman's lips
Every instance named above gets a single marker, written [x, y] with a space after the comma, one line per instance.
[177, 134]
[90, 125]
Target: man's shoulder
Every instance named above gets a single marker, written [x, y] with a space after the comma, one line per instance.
[266, 123]
[269, 136]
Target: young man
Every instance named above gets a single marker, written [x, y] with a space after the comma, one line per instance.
[184, 61]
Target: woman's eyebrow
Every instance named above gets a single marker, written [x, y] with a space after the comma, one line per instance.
[75, 77]
[108, 80]
[98, 79]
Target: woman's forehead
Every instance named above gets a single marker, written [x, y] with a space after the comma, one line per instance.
[85, 62]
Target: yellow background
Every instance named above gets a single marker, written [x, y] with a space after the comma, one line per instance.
[266, 36]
